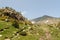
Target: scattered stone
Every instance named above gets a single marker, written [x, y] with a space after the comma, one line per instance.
[18, 37]
[51, 32]
[57, 28]
[14, 31]
[17, 34]
[37, 33]
[29, 27]
[4, 29]
[23, 30]
[6, 20]
[13, 34]
[7, 39]
[33, 22]
[0, 35]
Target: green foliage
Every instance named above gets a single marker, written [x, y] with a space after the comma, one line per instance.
[15, 24]
[23, 33]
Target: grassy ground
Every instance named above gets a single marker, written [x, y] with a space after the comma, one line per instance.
[7, 30]
[42, 32]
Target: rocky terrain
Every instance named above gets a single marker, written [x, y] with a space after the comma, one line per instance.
[46, 20]
[14, 26]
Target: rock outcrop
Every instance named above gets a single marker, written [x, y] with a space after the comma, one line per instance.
[11, 13]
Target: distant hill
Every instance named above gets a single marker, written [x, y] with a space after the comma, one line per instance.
[46, 18]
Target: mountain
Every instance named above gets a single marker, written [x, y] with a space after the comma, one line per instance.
[45, 19]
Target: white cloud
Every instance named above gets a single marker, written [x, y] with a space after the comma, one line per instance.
[23, 12]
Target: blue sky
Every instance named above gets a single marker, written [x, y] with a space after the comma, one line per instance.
[34, 8]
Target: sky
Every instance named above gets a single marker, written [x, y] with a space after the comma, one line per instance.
[34, 8]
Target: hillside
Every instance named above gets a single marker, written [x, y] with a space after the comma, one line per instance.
[14, 26]
[11, 13]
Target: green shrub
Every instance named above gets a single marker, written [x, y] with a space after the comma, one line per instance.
[15, 24]
[23, 33]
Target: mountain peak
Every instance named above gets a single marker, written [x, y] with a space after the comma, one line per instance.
[45, 17]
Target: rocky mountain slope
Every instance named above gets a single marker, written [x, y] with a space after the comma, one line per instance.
[46, 19]
[14, 26]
